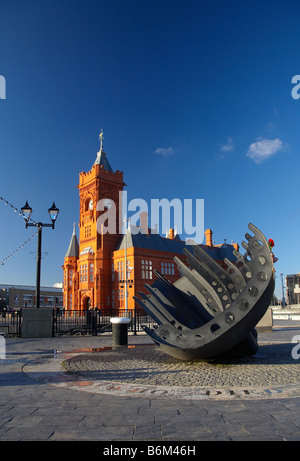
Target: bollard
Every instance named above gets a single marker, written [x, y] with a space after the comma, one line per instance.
[119, 331]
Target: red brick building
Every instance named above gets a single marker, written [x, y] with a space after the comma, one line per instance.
[94, 268]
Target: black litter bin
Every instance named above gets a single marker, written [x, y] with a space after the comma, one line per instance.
[120, 331]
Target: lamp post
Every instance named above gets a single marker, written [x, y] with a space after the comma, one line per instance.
[283, 298]
[53, 213]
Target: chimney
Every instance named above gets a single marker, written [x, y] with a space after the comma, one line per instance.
[208, 237]
[144, 222]
[171, 234]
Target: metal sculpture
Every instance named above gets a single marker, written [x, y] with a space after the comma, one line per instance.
[212, 311]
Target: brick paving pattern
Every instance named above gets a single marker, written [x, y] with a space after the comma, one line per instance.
[37, 402]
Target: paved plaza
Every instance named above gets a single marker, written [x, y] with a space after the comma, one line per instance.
[77, 388]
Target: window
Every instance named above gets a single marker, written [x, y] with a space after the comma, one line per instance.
[68, 277]
[59, 302]
[68, 301]
[167, 268]
[120, 269]
[83, 273]
[27, 300]
[49, 301]
[87, 231]
[129, 269]
[146, 269]
[91, 276]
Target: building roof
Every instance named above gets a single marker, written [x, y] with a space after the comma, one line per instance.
[73, 250]
[102, 160]
[154, 241]
[7, 287]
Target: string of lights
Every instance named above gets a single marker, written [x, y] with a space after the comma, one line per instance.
[15, 209]
[16, 251]
[6, 202]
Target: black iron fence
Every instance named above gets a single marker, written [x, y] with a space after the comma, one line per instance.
[10, 322]
[92, 322]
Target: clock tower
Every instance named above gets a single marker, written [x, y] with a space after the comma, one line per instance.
[99, 202]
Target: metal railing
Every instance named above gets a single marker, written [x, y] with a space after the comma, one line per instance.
[72, 322]
[93, 322]
[10, 322]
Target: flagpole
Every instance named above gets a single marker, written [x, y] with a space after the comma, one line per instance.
[126, 294]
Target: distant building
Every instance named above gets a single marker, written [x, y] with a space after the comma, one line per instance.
[20, 296]
[94, 267]
[292, 283]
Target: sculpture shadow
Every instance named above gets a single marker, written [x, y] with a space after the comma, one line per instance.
[275, 354]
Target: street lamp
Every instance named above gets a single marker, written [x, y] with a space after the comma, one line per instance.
[53, 213]
[283, 298]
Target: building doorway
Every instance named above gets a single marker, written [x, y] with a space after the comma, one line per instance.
[87, 304]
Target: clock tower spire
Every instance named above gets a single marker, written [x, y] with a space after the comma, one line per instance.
[101, 158]
[94, 263]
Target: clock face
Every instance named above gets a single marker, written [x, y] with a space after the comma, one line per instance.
[107, 203]
[91, 203]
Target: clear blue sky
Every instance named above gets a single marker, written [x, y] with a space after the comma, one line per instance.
[194, 98]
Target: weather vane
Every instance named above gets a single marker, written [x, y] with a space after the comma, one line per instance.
[101, 137]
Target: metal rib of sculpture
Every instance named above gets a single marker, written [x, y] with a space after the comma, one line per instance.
[212, 311]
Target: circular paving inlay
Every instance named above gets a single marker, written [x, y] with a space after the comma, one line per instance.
[148, 365]
[146, 371]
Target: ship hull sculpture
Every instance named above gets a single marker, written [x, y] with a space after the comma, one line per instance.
[211, 312]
